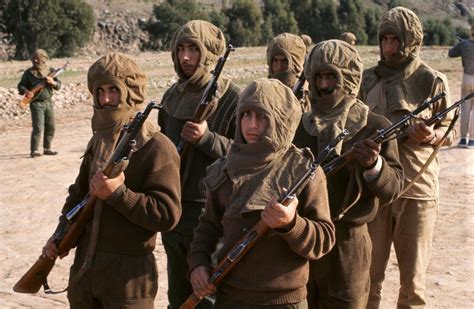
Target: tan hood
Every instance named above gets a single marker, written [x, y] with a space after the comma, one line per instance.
[339, 57]
[208, 38]
[348, 37]
[294, 49]
[403, 23]
[121, 71]
[40, 68]
[331, 114]
[182, 99]
[261, 170]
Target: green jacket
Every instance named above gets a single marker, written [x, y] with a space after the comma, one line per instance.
[30, 79]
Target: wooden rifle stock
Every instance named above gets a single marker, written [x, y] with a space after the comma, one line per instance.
[68, 238]
[36, 89]
[380, 136]
[249, 240]
[202, 110]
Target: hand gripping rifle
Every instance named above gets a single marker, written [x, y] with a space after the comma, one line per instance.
[380, 136]
[298, 89]
[248, 241]
[67, 238]
[40, 86]
[209, 93]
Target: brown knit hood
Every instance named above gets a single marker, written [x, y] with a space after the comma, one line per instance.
[261, 170]
[122, 72]
[208, 38]
[182, 99]
[348, 37]
[403, 23]
[340, 110]
[294, 49]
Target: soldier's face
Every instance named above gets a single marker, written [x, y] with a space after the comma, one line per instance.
[253, 126]
[390, 45]
[188, 57]
[279, 64]
[326, 82]
[109, 96]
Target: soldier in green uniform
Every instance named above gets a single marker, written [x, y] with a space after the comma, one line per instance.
[41, 107]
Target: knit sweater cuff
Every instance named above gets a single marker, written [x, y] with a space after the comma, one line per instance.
[122, 198]
[296, 233]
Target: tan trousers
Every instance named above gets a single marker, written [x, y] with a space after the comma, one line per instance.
[467, 113]
[409, 224]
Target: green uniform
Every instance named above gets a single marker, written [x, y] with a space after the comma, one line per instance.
[41, 108]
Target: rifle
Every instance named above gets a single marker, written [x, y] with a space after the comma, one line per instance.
[202, 110]
[298, 89]
[37, 89]
[68, 237]
[439, 115]
[381, 135]
[248, 241]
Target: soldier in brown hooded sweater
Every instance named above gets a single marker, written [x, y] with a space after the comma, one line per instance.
[340, 279]
[132, 207]
[285, 58]
[242, 188]
[395, 86]
[196, 47]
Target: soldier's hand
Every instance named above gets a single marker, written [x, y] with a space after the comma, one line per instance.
[50, 250]
[421, 133]
[276, 215]
[192, 132]
[103, 186]
[29, 94]
[200, 281]
[50, 81]
[366, 152]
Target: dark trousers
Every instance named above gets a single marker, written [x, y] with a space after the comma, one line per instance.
[340, 279]
[177, 245]
[42, 117]
[115, 281]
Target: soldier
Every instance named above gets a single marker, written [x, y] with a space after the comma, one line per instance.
[465, 50]
[396, 85]
[41, 107]
[196, 47]
[340, 279]
[349, 37]
[242, 189]
[308, 41]
[114, 265]
[285, 59]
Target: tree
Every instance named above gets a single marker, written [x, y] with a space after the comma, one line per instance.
[372, 18]
[59, 27]
[169, 15]
[351, 18]
[439, 32]
[279, 18]
[245, 21]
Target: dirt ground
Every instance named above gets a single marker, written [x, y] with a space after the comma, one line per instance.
[32, 192]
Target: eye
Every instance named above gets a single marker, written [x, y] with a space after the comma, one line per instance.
[114, 89]
[194, 48]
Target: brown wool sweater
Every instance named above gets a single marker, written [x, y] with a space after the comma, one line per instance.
[383, 190]
[148, 202]
[275, 271]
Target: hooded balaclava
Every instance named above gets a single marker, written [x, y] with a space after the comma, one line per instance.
[261, 170]
[348, 37]
[40, 69]
[332, 113]
[182, 99]
[122, 72]
[397, 71]
[294, 49]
